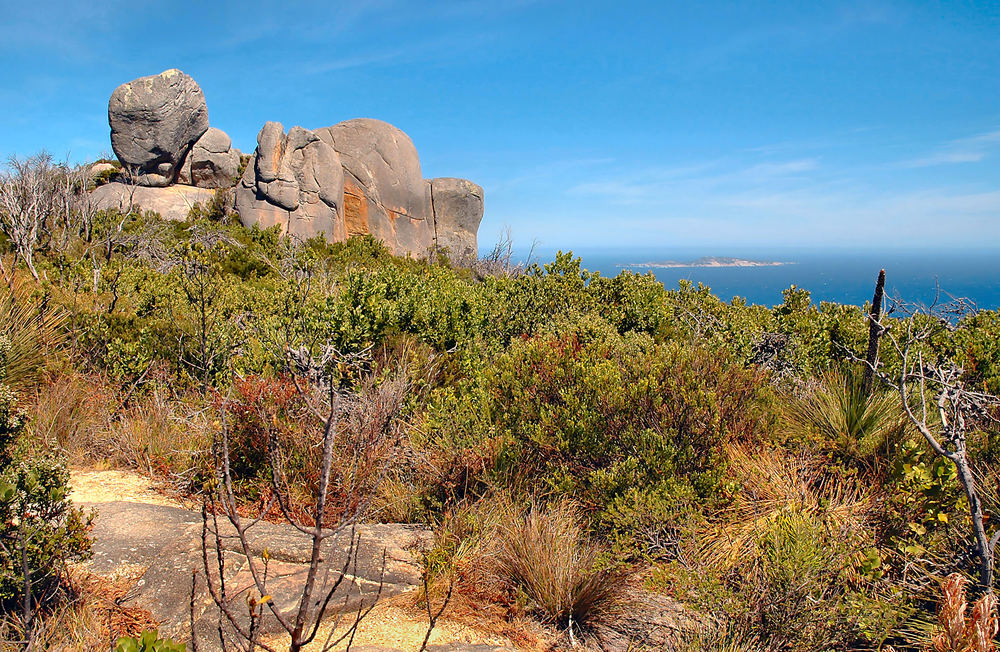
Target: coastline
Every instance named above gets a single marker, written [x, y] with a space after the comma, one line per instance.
[670, 264]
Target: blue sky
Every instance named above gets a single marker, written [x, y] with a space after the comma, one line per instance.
[703, 124]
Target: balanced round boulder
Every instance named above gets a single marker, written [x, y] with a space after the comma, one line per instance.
[458, 209]
[154, 122]
[384, 192]
[295, 181]
[212, 162]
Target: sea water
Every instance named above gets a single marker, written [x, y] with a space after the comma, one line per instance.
[842, 276]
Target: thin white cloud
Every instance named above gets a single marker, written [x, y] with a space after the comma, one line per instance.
[962, 150]
[710, 177]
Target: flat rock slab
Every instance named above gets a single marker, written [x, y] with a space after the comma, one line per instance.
[165, 544]
[135, 534]
[172, 203]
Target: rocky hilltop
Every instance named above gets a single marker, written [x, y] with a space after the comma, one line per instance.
[356, 177]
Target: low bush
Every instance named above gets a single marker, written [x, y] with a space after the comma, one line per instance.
[630, 428]
[41, 529]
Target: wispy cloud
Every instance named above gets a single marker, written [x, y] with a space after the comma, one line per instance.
[962, 150]
[356, 61]
[757, 199]
[711, 176]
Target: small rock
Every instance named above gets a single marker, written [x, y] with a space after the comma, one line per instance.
[212, 162]
[458, 210]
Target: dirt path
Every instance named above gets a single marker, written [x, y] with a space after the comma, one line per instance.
[141, 532]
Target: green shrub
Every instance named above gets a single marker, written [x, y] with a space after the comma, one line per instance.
[215, 210]
[627, 426]
[149, 641]
[106, 176]
[41, 527]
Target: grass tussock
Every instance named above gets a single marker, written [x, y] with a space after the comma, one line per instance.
[510, 569]
[29, 328]
[547, 555]
[774, 485]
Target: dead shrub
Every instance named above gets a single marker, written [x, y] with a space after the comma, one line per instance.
[956, 631]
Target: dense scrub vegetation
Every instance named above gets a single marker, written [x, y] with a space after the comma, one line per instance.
[674, 444]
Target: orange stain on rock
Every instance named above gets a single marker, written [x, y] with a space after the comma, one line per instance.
[355, 210]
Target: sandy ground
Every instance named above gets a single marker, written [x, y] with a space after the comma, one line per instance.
[399, 626]
[105, 486]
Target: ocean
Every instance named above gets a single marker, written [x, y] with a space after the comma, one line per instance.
[841, 276]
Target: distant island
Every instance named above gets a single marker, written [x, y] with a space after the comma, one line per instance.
[710, 261]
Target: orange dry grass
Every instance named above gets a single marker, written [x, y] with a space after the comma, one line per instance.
[83, 414]
[955, 632]
[546, 555]
[774, 484]
[95, 615]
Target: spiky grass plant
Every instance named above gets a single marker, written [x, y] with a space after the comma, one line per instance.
[547, 555]
[842, 417]
[775, 484]
[27, 328]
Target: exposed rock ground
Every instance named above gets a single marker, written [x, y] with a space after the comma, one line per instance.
[139, 532]
[172, 203]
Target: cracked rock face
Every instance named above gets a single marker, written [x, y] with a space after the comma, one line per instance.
[458, 209]
[212, 162]
[384, 191]
[154, 122]
[295, 180]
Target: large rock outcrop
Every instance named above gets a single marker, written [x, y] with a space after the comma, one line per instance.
[154, 122]
[357, 177]
[457, 206]
[172, 203]
[295, 181]
[384, 192]
[212, 162]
